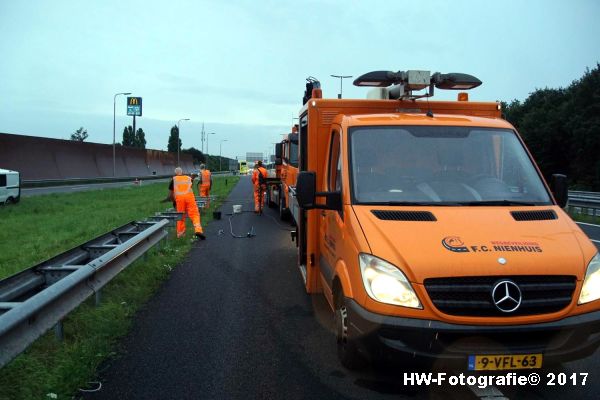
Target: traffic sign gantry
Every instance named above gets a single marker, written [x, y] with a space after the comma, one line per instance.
[134, 106]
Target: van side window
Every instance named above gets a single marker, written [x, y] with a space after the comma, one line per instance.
[2, 180]
[338, 176]
[334, 183]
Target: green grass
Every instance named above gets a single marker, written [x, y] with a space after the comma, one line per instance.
[40, 227]
[580, 217]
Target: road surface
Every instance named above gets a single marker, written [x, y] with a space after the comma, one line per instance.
[593, 232]
[234, 322]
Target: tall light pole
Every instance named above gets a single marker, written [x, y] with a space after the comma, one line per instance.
[220, 143]
[208, 133]
[114, 112]
[342, 77]
[182, 119]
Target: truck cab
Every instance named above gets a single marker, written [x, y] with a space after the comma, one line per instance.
[10, 186]
[433, 236]
[243, 166]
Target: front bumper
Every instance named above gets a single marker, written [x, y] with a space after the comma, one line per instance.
[447, 344]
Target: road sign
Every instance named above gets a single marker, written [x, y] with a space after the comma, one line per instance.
[134, 106]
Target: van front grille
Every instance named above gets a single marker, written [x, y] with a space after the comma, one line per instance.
[472, 296]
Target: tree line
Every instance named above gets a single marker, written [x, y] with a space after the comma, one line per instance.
[138, 140]
[561, 128]
[213, 163]
[130, 139]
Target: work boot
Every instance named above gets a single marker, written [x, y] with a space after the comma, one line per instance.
[200, 236]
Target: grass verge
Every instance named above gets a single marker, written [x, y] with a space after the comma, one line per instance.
[579, 217]
[40, 227]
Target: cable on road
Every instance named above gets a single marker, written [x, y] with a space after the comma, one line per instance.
[249, 235]
[96, 389]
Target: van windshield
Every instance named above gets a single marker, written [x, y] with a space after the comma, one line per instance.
[442, 165]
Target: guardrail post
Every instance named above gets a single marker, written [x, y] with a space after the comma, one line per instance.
[98, 298]
[59, 331]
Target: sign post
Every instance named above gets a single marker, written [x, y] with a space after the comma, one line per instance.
[134, 108]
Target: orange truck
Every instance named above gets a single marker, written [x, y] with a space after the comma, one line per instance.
[432, 234]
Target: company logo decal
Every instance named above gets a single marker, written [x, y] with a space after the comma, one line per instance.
[457, 245]
[506, 296]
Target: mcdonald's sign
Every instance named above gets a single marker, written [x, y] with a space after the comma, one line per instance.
[134, 106]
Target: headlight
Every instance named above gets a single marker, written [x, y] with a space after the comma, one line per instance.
[590, 290]
[386, 283]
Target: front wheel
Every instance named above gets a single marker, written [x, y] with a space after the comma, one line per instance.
[347, 348]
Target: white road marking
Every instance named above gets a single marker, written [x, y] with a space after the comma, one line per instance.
[585, 223]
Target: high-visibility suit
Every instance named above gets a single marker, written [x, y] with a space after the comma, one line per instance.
[258, 188]
[186, 203]
[204, 185]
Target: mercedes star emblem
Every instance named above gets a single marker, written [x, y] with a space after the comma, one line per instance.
[506, 296]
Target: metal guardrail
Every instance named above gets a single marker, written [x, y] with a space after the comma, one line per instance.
[30, 183]
[77, 181]
[38, 298]
[584, 202]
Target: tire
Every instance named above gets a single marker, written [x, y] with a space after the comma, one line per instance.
[10, 200]
[347, 348]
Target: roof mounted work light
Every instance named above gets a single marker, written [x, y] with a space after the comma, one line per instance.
[455, 81]
[418, 79]
[405, 82]
[378, 79]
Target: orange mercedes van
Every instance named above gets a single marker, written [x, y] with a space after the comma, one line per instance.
[432, 234]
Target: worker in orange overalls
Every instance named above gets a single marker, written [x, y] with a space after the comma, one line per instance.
[204, 183]
[259, 179]
[181, 191]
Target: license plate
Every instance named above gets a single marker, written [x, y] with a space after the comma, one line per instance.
[493, 362]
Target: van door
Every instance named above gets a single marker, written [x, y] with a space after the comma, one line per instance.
[332, 222]
[13, 186]
[3, 190]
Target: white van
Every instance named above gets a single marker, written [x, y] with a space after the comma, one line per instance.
[10, 186]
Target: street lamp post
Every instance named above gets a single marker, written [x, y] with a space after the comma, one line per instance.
[220, 143]
[208, 133]
[114, 113]
[183, 119]
[342, 77]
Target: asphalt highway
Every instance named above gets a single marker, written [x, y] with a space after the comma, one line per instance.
[593, 232]
[234, 322]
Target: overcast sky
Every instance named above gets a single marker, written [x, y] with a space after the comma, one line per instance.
[240, 66]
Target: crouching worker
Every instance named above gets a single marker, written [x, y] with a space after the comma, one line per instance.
[180, 189]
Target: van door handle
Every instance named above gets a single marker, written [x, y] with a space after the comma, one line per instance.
[323, 214]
